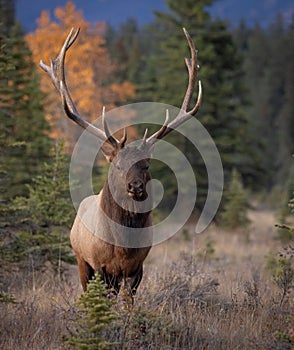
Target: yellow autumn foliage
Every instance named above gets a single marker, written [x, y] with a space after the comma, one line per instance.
[89, 71]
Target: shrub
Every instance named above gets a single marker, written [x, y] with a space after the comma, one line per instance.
[236, 205]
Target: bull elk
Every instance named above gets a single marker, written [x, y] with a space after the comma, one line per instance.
[95, 253]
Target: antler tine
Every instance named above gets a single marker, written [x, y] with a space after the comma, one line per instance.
[192, 67]
[58, 63]
[57, 75]
[123, 140]
[159, 134]
[56, 69]
[194, 110]
[192, 70]
[144, 138]
[184, 114]
[112, 140]
[145, 135]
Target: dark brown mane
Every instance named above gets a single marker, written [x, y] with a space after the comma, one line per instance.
[131, 217]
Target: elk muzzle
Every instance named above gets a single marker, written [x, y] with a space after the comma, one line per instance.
[136, 190]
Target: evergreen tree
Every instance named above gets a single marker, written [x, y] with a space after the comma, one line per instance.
[285, 120]
[94, 314]
[41, 220]
[235, 208]
[268, 63]
[7, 10]
[222, 78]
[21, 113]
[48, 203]
[5, 68]
[125, 49]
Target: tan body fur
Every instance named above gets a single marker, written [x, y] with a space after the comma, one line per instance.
[114, 263]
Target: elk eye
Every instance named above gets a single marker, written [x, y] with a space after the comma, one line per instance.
[146, 167]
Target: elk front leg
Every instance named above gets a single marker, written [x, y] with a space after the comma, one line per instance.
[137, 281]
[112, 282]
[86, 272]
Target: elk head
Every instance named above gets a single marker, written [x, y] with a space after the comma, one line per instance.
[129, 163]
[130, 172]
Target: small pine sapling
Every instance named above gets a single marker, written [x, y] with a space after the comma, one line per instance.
[94, 315]
[236, 205]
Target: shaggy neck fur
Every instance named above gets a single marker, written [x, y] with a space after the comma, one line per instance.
[126, 216]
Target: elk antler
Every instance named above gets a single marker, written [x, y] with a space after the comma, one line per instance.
[184, 114]
[57, 75]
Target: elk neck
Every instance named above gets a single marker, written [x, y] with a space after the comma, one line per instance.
[128, 214]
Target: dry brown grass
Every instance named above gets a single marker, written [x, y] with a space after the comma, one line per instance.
[199, 292]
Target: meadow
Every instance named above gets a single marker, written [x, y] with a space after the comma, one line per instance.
[207, 291]
[223, 289]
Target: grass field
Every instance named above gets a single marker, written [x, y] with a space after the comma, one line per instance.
[208, 291]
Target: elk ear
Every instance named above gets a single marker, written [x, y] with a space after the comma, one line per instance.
[108, 153]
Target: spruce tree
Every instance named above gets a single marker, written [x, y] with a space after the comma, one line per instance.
[94, 315]
[21, 113]
[6, 67]
[222, 79]
[43, 217]
[7, 15]
[236, 205]
[268, 63]
[125, 48]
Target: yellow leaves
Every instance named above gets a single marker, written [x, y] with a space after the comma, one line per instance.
[69, 15]
[44, 20]
[88, 68]
[123, 91]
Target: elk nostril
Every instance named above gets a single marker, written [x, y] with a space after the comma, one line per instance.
[135, 186]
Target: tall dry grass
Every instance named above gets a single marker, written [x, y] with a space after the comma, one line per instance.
[199, 292]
